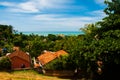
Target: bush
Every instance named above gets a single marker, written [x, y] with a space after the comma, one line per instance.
[58, 64]
[5, 63]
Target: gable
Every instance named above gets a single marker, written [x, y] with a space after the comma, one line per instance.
[20, 54]
[16, 59]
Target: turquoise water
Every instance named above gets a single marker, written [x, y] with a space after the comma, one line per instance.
[45, 33]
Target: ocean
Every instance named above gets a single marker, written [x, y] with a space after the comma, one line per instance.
[45, 33]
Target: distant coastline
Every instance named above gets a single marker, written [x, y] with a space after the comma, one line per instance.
[45, 33]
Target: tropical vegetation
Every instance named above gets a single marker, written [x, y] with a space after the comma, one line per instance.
[100, 39]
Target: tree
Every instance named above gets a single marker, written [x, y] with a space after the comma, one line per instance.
[110, 28]
[52, 37]
[6, 31]
[112, 21]
[102, 40]
[91, 30]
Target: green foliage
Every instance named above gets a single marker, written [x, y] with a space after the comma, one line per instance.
[5, 31]
[100, 39]
[112, 7]
[5, 63]
[110, 33]
[90, 29]
[112, 21]
[59, 63]
[110, 46]
[51, 37]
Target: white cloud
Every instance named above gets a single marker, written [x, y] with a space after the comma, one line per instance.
[98, 13]
[56, 17]
[20, 7]
[8, 4]
[47, 21]
[61, 22]
[101, 2]
[51, 3]
[36, 5]
[28, 6]
[52, 22]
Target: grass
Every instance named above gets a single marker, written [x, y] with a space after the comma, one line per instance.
[25, 75]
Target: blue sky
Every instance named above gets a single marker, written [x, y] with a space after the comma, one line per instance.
[50, 15]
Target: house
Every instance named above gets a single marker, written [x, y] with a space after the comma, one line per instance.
[20, 59]
[48, 56]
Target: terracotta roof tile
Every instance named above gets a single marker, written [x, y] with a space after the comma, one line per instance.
[48, 56]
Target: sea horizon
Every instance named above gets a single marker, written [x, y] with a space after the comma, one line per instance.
[46, 33]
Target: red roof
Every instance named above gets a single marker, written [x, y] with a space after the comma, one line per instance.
[21, 55]
[48, 56]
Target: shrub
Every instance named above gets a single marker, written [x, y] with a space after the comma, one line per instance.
[5, 63]
[59, 63]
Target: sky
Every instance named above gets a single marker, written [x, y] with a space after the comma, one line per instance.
[50, 15]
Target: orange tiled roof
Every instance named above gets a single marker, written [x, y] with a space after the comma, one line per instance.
[48, 56]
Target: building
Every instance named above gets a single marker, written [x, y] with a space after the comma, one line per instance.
[48, 56]
[19, 60]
